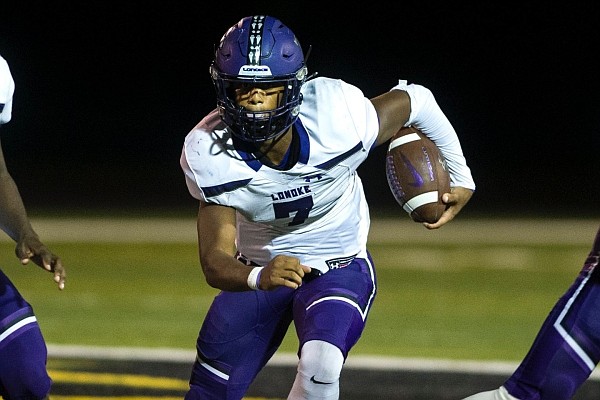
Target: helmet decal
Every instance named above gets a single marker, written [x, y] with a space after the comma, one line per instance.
[256, 27]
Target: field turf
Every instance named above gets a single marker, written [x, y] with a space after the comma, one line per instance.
[473, 290]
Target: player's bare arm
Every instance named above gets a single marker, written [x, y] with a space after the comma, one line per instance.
[393, 110]
[216, 237]
[15, 222]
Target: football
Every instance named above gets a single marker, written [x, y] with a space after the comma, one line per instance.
[417, 174]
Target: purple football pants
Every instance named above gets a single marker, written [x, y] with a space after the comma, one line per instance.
[23, 353]
[242, 330]
[567, 347]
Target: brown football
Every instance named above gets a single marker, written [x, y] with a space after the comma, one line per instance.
[417, 174]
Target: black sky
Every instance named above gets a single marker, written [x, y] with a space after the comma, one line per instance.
[107, 91]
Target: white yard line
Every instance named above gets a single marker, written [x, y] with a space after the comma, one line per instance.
[501, 231]
[381, 363]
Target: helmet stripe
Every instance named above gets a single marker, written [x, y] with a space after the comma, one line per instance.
[254, 44]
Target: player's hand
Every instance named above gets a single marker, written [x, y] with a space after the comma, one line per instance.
[30, 248]
[282, 270]
[455, 201]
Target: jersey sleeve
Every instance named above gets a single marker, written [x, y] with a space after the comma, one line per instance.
[7, 88]
[210, 164]
[332, 105]
[427, 116]
[190, 179]
[363, 114]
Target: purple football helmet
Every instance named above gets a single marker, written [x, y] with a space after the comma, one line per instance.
[258, 50]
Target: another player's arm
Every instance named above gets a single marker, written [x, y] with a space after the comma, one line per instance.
[15, 222]
[13, 217]
[216, 239]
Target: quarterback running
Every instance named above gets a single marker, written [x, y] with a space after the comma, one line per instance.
[283, 221]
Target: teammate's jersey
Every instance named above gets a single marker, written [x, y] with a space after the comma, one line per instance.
[316, 210]
[7, 88]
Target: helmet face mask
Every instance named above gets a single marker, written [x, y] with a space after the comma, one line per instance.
[261, 52]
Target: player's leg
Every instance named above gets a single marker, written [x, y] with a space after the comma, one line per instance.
[23, 353]
[240, 333]
[567, 347]
[330, 314]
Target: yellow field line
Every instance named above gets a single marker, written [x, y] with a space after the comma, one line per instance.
[54, 397]
[129, 380]
[118, 379]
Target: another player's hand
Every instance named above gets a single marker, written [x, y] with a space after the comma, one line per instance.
[29, 247]
[455, 201]
[282, 270]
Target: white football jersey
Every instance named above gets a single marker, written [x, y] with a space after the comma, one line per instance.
[7, 88]
[316, 210]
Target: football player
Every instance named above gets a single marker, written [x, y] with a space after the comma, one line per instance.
[567, 347]
[283, 221]
[23, 351]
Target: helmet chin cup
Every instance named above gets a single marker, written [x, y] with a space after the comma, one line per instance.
[258, 50]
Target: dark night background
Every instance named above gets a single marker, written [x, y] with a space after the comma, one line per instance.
[106, 92]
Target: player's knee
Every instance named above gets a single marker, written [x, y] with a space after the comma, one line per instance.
[321, 361]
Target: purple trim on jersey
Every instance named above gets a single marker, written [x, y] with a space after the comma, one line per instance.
[245, 150]
[304, 142]
[211, 191]
[341, 157]
[252, 162]
[373, 146]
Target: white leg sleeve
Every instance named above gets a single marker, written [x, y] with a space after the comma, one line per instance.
[318, 373]
[499, 394]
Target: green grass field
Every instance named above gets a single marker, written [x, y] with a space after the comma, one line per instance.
[460, 295]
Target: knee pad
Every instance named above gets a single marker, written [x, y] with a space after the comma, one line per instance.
[320, 361]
